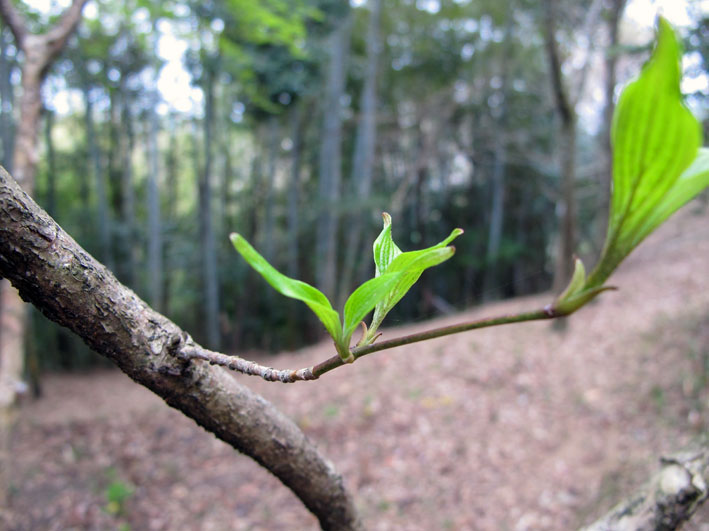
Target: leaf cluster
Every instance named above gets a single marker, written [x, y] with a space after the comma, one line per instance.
[396, 272]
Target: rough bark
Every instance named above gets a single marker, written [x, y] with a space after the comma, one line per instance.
[54, 273]
[669, 499]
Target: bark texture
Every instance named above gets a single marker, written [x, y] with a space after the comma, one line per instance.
[669, 499]
[54, 273]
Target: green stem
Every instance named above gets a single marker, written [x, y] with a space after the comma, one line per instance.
[358, 352]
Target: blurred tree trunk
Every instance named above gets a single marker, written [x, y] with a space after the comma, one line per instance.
[331, 159]
[566, 206]
[7, 99]
[210, 280]
[102, 203]
[51, 199]
[155, 239]
[39, 53]
[170, 216]
[613, 16]
[269, 217]
[297, 124]
[490, 285]
[363, 159]
[126, 144]
[295, 330]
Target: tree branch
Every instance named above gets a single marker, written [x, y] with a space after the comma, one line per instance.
[14, 20]
[561, 97]
[60, 32]
[669, 499]
[251, 368]
[54, 273]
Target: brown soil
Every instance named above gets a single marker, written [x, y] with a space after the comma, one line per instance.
[514, 428]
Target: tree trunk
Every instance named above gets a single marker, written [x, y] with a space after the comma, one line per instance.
[7, 99]
[126, 143]
[102, 203]
[363, 158]
[52, 272]
[331, 160]
[155, 240]
[615, 12]
[490, 286]
[171, 164]
[566, 207]
[51, 194]
[39, 52]
[294, 189]
[269, 218]
[210, 279]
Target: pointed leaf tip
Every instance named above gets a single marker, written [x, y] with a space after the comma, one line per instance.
[655, 138]
[289, 287]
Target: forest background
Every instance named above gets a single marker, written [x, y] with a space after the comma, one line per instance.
[168, 125]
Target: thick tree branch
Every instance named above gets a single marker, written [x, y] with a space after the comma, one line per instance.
[15, 21]
[54, 273]
[669, 499]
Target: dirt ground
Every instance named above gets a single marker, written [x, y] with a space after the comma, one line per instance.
[515, 428]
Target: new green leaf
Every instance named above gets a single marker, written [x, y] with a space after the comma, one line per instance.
[364, 299]
[295, 289]
[388, 258]
[655, 138]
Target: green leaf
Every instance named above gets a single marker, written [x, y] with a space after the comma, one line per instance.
[385, 250]
[689, 184]
[388, 258]
[655, 138]
[290, 287]
[578, 280]
[364, 299]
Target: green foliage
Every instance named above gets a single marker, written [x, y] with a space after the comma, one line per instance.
[117, 493]
[658, 165]
[396, 273]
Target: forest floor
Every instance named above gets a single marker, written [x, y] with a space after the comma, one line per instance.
[514, 428]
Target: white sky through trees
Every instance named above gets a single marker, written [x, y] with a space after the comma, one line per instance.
[179, 94]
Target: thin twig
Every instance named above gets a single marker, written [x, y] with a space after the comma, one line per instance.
[251, 368]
